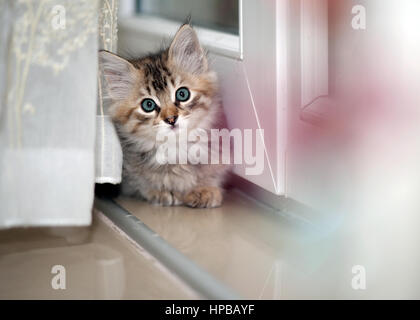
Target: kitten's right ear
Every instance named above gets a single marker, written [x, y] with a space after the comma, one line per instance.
[119, 74]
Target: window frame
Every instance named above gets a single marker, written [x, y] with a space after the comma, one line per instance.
[153, 30]
[314, 62]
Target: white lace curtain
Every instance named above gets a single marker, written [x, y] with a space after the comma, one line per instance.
[49, 130]
[108, 148]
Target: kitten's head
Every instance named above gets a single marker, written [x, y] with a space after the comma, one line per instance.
[162, 92]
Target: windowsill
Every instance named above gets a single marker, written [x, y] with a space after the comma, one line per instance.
[319, 111]
[240, 240]
[139, 27]
[243, 245]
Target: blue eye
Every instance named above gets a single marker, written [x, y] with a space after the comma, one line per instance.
[182, 94]
[148, 105]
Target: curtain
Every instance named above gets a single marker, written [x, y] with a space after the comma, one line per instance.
[108, 148]
[48, 110]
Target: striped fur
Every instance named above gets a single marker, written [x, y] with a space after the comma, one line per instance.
[158, 76]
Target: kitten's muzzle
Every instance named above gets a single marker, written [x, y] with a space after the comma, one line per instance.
[171, 120]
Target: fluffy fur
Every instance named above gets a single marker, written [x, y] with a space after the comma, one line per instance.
[158, 76]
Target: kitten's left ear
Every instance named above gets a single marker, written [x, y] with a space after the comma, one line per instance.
[185, 51]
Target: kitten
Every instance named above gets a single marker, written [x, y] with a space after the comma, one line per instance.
[156, 94]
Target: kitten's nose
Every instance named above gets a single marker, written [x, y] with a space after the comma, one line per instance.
[171, 120]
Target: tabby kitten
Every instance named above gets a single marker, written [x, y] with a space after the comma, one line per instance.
[159, 93]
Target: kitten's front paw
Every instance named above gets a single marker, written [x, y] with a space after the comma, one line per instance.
[204, 197]
[163, 198]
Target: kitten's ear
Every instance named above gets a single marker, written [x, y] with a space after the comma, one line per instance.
[185, 51]
[119, 74]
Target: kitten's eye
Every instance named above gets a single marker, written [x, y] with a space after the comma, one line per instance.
[182, 94]
[148, 105]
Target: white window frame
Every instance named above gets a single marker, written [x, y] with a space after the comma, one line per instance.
[253, 73]
[315, 100]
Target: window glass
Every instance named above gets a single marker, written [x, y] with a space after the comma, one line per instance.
[222, 15]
